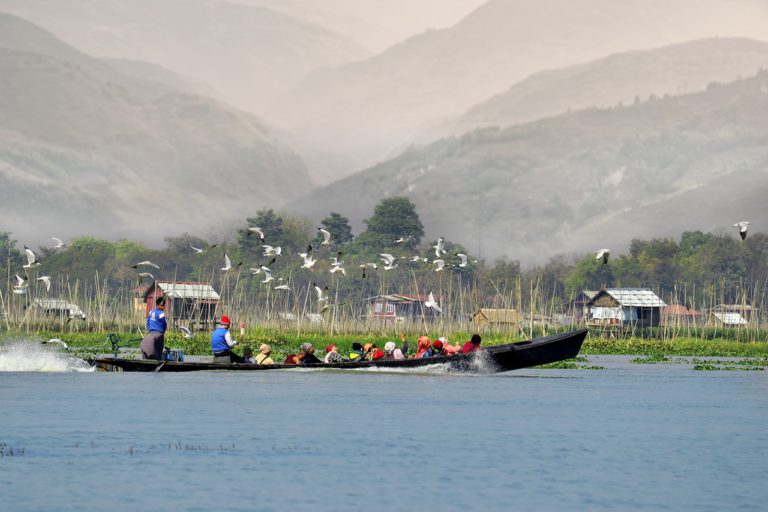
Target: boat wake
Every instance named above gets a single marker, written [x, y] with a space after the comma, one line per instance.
[30, 356]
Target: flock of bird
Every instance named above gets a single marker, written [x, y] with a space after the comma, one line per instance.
[389, 262]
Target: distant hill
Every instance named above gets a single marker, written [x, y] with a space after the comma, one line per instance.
[376, 24]
[249, 54]
[583, 180]
[620, 78]
[370, 109]
[86, 149]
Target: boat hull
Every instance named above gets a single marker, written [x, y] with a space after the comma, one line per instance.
[500, 358]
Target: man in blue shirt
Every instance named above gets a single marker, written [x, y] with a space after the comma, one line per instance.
[153, 344]
[222, 342]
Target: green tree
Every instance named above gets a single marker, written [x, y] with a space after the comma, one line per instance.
[393, 218]
[339, 227]
[270, 223]
[589, 274]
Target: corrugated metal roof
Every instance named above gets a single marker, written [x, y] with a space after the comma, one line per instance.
[188, 290]
[636, 297]
[59, 305]
[730, 318]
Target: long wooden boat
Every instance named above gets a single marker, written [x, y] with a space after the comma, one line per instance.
[499, 358]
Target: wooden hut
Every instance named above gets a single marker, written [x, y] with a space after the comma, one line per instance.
[677, 315]
[636, 307]
[485, 318]
[190, 302]
[397, 308]
[59, 308]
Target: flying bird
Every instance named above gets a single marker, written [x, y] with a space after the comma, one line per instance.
[142, 275]
[463, 258]
[368, 265]
[309, 261]
[440, 265]
[228, 264]
[320, 292]
[32, 260]
[284, 287]
[439, 251]
[743, 225]
[326, 236]
[271, 251]
[145, 263]
[56, 341]
[22, 286]
[432, 303]
[186, 331]
[416, 258]
[403, 239]
[47, 281]
[59, 243]
[603, 254]
[257, 230]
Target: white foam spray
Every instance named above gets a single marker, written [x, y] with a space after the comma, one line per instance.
[31, 356]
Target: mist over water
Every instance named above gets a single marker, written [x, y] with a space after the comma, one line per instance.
[30, 356]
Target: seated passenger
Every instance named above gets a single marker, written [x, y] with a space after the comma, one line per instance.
[437, 348]
[392, 352]
[248, 355]
[292, 359]
[332, 355]
[372, 353]
[424, 347]
[357, 352]
[222, 342]
[307, 354]
[264, 353]
[473, 345]
[449, 349]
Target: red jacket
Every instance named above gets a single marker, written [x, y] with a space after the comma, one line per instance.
[470, 347]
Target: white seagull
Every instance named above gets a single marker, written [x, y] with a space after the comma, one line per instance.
[326, 236]
[59, 243]
[142, 275]
[271, 251]
[309, 261]
[196, 249]
[320, 293]
[439, 251]
[31, 259]
[440, 265]
[22, 286]
[257, 230]
[742, 225]
[603, 254]
[432, 303]
[186, 331]
[403, 239]
[418, 258]
[56, 341]
[47, 281]
[145, 263]
[228, 264]
[284, 287]
[463, 259]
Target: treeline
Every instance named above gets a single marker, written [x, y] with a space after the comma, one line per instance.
[699, 265]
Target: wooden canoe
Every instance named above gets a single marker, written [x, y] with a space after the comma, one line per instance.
[499, 358]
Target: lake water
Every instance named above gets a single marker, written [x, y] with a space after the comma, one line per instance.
[628, 437]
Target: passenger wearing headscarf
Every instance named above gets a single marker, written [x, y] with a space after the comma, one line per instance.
[424, 347]
[372, 353]
[392, 352]
[307, 354]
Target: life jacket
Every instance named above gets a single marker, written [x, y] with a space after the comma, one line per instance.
[354, 356]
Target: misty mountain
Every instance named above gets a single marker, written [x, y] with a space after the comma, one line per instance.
[376, 24]
[247, 53]
[85, 149]
[369, 109]
[583, 180]
[619, 78]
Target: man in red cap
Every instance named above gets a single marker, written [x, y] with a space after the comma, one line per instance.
[222, 342]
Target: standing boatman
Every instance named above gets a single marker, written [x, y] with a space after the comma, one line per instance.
[153, 344]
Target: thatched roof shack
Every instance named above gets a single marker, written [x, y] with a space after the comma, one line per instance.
[637, 307]
[59, 308]
[485, 318]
